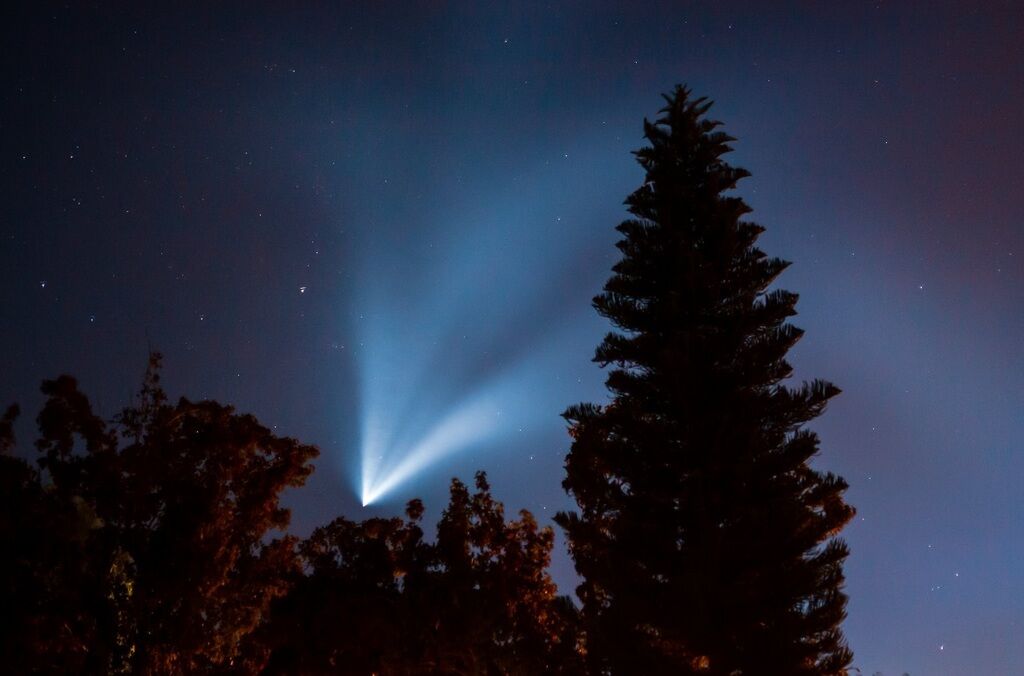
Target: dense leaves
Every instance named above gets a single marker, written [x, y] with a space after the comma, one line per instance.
[144, 546]
[704, 538]
[379, 599]
[155, 545]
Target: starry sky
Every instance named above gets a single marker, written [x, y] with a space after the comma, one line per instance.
[378, 227]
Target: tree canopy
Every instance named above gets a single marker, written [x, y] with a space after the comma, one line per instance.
[380, 599]
[156, 544]
[145, 545]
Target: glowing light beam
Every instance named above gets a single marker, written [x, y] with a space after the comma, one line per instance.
[467, 425]
[460, 341]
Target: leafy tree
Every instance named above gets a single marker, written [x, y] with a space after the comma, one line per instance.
[52, 601]
[379, 599]
[147, 547]
[144, 546]
[348, 614]
[705, 540]
[493, 603]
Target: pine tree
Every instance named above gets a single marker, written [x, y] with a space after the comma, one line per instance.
[705, 540]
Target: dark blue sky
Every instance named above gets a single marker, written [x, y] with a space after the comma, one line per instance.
[392, 216]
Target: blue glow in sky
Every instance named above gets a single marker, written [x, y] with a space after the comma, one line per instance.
[463, 336]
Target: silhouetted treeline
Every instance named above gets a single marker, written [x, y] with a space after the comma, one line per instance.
[155, 543]
[378, 599]
[143, 546]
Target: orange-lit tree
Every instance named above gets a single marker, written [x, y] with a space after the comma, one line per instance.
[144, 546]
[379, 599]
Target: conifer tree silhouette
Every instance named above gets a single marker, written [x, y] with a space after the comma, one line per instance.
[704, 538]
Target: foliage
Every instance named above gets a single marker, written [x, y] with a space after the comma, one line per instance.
[143, 546]
[379, 599]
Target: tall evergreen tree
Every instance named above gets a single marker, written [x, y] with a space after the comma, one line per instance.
[704, 538]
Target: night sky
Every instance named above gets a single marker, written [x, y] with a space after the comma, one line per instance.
[378, 227]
